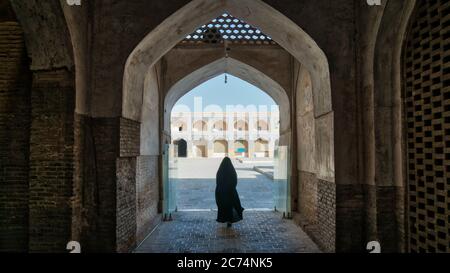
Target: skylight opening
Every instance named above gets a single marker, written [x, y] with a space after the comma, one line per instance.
[228, 28]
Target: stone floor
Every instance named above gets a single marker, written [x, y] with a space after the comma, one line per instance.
[195, 185]
[198, 232]
[194, 229]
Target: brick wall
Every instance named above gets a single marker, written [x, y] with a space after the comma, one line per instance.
[326, 215]
[389, 222]
[126, 184]
[15, 81]
[126, 204]
[350, 218]
[130, 136]
[307, 205]
[105, 183]
[96, 149]
[147, 195]
[366, 213]
[105, 135]
[370, 232]
[51, 160]
[317, 210]
[138, 190]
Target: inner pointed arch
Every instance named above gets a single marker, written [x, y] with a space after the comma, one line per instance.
[237, 69]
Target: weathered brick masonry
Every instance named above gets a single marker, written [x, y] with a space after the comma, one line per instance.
[108, 168]
[308, 201]
[105, 132]
[390, 221]
[15, 116]
[137, 192]
[51, 160]
[350, 218]
[126, 184]
[130, 136]
[36, 137]
[96, 149]
[126, 204]
[147, 195]
[326, 215]
[316, 209]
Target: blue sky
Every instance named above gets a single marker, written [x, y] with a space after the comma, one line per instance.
[235, 92]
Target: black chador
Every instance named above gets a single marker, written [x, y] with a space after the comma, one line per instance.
[227, 198]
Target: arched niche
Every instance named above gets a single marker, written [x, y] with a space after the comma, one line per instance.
[200, 126]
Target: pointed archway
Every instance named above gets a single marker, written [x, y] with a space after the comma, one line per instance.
[142, 85]
[237, 69]
[186, 20]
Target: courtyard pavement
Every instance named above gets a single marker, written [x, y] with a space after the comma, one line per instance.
[196, 181]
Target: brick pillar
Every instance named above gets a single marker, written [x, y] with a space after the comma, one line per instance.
[51, 160]
[126, 173]
[15, 81]
[349, 218]
[390, 204]
[94, 202]
[105, 134]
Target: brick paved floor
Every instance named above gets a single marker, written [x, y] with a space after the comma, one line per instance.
[198, 232]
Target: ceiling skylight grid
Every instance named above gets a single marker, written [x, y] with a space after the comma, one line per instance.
[229, 28]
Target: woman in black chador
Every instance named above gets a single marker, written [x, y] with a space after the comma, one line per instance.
[227, 198]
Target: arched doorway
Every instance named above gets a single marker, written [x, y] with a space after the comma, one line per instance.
[141, 66]
[241, 148]
[200, 151]
[193, 78]
[196, 177]
[220, 148]
[261, 148]
[181, 148]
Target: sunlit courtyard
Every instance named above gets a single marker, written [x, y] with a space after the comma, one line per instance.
[196, 180]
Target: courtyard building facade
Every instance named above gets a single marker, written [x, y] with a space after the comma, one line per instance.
[220, 134]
